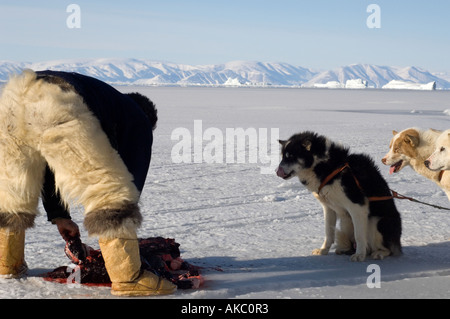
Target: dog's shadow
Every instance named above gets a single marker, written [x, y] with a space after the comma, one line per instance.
[266, 274]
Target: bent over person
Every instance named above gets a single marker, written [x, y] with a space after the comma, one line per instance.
[97, 143]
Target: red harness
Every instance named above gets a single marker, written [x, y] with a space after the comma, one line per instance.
[346, 165]
[376, 198]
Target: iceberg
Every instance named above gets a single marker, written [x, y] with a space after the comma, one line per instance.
[233, 82]
[356, 84]
[349, 84]
[406, 85]
[329, 85]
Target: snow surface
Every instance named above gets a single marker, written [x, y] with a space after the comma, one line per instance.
[257, 228]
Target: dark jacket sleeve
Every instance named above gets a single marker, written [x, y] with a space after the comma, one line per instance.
[51, 200]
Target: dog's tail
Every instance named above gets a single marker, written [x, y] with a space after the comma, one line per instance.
[147, 106]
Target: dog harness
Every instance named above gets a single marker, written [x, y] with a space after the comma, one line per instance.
[333, 174]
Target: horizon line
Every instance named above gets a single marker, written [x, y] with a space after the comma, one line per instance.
[208, 64]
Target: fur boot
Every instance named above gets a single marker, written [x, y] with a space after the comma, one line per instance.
[12, 243]
[118, 242]
[12, 256]
[123, 264]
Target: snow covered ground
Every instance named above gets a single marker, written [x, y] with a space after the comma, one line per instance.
[257, 228]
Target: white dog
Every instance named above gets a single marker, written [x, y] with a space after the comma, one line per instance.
[440, 158]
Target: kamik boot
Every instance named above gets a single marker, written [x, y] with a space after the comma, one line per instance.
[123, 264]
[12, 255]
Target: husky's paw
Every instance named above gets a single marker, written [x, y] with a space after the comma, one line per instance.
[320, 251]
[358, 257]
[380, 254]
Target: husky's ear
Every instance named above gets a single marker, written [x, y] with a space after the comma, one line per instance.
[307, 145]
[412, 139]
[283, 143]
[394, 132]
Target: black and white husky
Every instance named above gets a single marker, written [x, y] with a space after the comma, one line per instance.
[351, 189]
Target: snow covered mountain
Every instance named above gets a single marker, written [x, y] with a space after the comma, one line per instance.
[378, 76]
[236, 73]
[7, 68]
[132, 71]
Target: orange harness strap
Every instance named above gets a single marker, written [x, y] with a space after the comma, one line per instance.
[331, 176]
[375, 198]
[338, 170]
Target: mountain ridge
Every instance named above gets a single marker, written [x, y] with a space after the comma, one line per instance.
[235, 73]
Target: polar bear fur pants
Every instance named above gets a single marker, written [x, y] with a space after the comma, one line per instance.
[42, 123]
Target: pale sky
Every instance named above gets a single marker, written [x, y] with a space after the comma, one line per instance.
[321, 34]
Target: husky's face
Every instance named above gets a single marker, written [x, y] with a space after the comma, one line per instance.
[440, 159]
[401, 150]
[296, 154]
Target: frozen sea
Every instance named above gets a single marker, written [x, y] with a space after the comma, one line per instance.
[259, 230]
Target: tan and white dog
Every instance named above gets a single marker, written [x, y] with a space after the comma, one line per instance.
[440, 159]
[411, 147]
